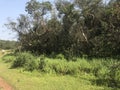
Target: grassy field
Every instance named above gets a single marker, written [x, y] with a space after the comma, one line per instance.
[35, 80]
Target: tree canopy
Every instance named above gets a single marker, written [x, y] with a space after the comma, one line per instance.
[77, 28]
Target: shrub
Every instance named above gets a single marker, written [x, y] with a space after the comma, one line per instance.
[31, 65]
[73, 68]
[61, 67]
[107, 73]
[114, 75]
[60, 56]
[84, 65]
[25, 60]
[42, 63]
[97, 67]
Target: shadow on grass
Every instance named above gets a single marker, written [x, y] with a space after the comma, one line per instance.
[107, 83]
[9, 54]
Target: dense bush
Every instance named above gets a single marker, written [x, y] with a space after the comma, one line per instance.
[114, 76]
[42, 63]
[25, 60]
[60, 56]
[106, 72]
[57, 66]
[65, 67]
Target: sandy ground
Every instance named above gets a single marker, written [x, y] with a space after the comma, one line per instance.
[4, 85]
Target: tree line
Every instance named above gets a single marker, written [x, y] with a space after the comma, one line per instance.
[74, 28]
[6, 44]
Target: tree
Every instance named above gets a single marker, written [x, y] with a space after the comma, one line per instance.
[78, 28]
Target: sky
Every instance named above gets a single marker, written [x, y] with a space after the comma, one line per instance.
[11, 9]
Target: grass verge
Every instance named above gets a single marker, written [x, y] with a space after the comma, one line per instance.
[58, 73]
[23, 80]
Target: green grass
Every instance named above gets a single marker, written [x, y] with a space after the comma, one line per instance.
[23, 80]
[58, 73]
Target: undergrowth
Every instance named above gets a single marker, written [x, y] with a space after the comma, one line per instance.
[105, 71]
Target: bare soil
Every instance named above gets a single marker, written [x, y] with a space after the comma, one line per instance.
[4, 85]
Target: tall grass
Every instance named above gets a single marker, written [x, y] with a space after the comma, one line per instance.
[98, 71]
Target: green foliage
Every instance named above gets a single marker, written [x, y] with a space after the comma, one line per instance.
[81, 27]
[9, 58]
[114, 75]
[38, 81]
[105, 71]
[99, 71]
[4, 44]
[42, 63]
[61, 67]
[60, 56]
[36, 8]
[25, 60]
[75, 29]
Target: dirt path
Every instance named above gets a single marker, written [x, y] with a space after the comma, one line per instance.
[4, 85]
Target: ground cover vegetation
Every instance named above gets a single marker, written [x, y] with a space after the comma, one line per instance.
[99, 72]
[78, 38]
